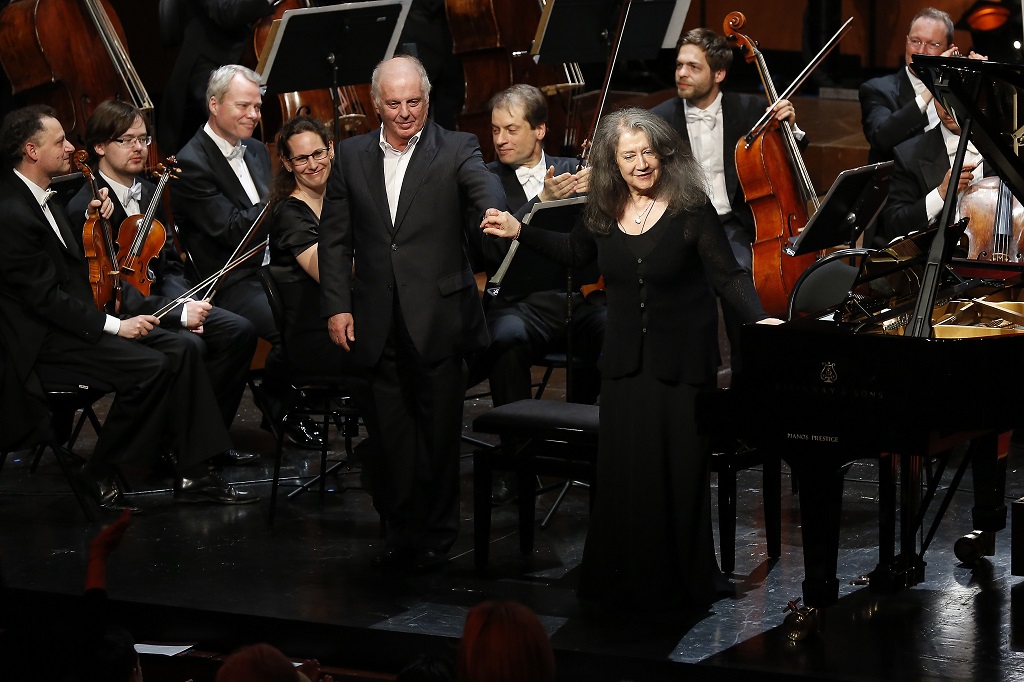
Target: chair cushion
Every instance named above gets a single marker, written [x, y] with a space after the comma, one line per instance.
[545, 419]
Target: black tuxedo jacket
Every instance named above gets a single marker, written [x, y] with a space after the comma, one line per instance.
[739, 113]
[44, 286]
[919, 166]
[889, 114]
[421, 258]
[211, 208]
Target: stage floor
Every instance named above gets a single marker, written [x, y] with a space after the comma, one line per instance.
[221, 577]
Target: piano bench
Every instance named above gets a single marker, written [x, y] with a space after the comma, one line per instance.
[728, 457]
[538, 437]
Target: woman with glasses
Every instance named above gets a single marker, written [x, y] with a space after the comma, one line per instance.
[306, 154]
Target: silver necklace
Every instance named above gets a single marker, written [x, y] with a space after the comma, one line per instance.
[642, 215]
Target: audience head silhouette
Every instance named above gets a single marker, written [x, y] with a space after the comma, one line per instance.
[504, 642]
[257, 663]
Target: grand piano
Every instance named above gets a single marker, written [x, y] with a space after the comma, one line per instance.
[912, 362]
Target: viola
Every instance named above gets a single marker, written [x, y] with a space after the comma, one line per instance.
[777, 188]
[996, 223]
[70, 55]
[99, 247]
[140, 238]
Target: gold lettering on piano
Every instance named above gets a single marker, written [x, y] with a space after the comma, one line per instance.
[828, 373]
[812, 437]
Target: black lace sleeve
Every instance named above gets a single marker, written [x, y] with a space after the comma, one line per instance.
[575, 249]
[731, 281]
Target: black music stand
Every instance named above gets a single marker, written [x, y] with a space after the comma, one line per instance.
[852, 203]
[325, 47]
[582, 30]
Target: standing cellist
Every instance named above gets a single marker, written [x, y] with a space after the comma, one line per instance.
[712, 121]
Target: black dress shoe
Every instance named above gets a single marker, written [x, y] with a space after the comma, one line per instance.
[211, 488]
[234, 458]
[392, 557]
[303, 432]
[429, 560]
[107, 493]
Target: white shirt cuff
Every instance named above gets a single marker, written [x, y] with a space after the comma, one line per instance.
[933, 205]
[111, 325]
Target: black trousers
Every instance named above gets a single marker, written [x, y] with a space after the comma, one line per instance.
[163, 398]
[416, 419]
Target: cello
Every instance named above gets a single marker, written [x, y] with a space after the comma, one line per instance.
[777, 188]
[995, 231]
[71, 75]
[140, 238]
[99, 247]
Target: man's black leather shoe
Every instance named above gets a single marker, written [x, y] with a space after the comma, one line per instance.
[211, 488]
[106, 493]
[429, 560]
[503, 490]
[234, 458]
[304, 432]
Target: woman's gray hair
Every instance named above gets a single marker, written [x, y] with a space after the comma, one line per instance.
[681, 180]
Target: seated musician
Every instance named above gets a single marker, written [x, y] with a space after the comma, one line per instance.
[297, 196]
[163, 400]
[117, 140]
[921, 176]
[225, 175]
[524, 325]
[896, 107]
[712, 121]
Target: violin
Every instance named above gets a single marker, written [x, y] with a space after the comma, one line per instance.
[99, 247]
[996, 221]
[777, 188]
[140, 238]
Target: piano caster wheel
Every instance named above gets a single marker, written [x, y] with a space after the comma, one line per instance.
[973, 547]
[801, 621]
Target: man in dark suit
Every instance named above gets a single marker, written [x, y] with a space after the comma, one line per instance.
[896, 107]
[117, 139]
[524, 324]
[396, 208]
[225, 176]
[712, 121]
[212, 33]
[54, 324]
[921, 176]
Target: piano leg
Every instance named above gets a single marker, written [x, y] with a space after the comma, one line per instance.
[821, 501]
[988, 467]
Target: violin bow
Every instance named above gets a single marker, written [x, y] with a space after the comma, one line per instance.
[216, 278]
[188, 295]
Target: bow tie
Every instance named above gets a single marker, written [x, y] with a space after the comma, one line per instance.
[134, 192]
[953, 141]
[48, 194]
[693, 114]
[236, 152]
[538, 172]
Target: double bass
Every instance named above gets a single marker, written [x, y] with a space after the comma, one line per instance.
[777, 188]
[70, 55]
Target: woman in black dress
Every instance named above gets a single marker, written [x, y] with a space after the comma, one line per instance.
[297, 195]
[660, 246]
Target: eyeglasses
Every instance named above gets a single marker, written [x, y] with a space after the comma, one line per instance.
[303, 159]
[129, 142]
[918, 44]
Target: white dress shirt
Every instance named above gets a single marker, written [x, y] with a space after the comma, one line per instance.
[925, 107]
[396, 163]
[532, 178]
[704, 126]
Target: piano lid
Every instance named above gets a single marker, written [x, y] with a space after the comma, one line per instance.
[990, 93]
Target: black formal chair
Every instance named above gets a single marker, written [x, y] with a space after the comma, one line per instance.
[328, 399]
